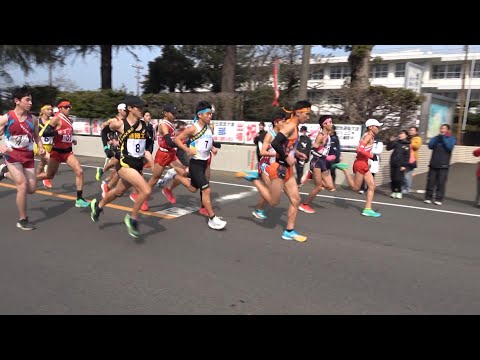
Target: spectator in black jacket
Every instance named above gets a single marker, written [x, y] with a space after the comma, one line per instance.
[258, 140]
[399, 161]
[442, 147]
[334, 150]
[304, 146]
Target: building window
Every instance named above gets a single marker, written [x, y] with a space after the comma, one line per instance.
[316, 74]
[379, 71]
[476, 70]
[339, 72]
[474, 96]
[315, 97]
[400, 70]
[335, 99]
[450, 71]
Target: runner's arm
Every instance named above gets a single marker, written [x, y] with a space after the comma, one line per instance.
[266, 143]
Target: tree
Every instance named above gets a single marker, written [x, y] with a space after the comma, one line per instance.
[172, 71]
[105, 51]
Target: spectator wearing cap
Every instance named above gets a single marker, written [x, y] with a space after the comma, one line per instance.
[302, 153]
[361, 167]
[259, 138]
[442, 147]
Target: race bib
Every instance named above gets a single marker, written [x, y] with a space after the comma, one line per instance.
[47, 140]
[67, 138]
[136, 147]
[20, 142]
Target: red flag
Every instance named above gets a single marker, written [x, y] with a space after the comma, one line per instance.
[276, 65]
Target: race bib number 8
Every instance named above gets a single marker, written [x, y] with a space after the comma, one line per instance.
[136, 147]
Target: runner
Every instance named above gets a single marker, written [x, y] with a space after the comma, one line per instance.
[361, 168]
[281, 171]
[134, 140]
[321, 163]
[61, 129]
[21, 131]
[46, 113]
[267, 157]
[201, 142]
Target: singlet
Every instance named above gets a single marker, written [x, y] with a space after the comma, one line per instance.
[63, 139]
[323, 149]
[45, 140]
[132, 141]
[19, 135]
[202, 142]
[162, 143]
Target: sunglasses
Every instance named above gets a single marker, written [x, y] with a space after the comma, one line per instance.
[67, 107]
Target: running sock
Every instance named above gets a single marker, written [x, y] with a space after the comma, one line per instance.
[79, 194]
[289, 230]
[211, 218]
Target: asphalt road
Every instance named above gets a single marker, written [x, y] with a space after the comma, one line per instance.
[415, 259]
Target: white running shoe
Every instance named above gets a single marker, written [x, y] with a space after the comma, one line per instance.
[217, 223]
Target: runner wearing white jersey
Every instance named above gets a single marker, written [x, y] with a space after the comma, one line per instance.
[201, 142]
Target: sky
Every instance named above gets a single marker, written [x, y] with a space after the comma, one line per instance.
[84, 74]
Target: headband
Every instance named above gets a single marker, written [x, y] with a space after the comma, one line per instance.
[64, 103]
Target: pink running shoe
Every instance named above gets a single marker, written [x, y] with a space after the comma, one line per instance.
[47, 183]
[168, 194]
[203, 211]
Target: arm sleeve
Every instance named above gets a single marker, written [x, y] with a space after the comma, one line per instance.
[277, 145]
[105, 132]
[169, 141]
[217, 145]
[361, 150]
[449, 143]
[49, 131]
[432, 142]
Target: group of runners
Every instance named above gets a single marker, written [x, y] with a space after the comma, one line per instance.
[128, 141]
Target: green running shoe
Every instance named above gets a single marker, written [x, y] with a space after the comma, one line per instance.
[132, 226]
[98, 175]
[371, 213]
[82, 203]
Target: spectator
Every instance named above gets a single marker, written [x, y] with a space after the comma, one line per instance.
[477, 201]
[334, 150]
[304, 146]
[415, 144]
[442, 147]
[399, 161]
[258, 140]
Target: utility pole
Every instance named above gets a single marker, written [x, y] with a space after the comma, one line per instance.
[137, 76]
[302, 92]
[462, 97]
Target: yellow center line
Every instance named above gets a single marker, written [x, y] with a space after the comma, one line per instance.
[113, 206]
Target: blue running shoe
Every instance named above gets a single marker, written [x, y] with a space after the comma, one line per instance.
[293, 235]
[259, 214]
[249, 175]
